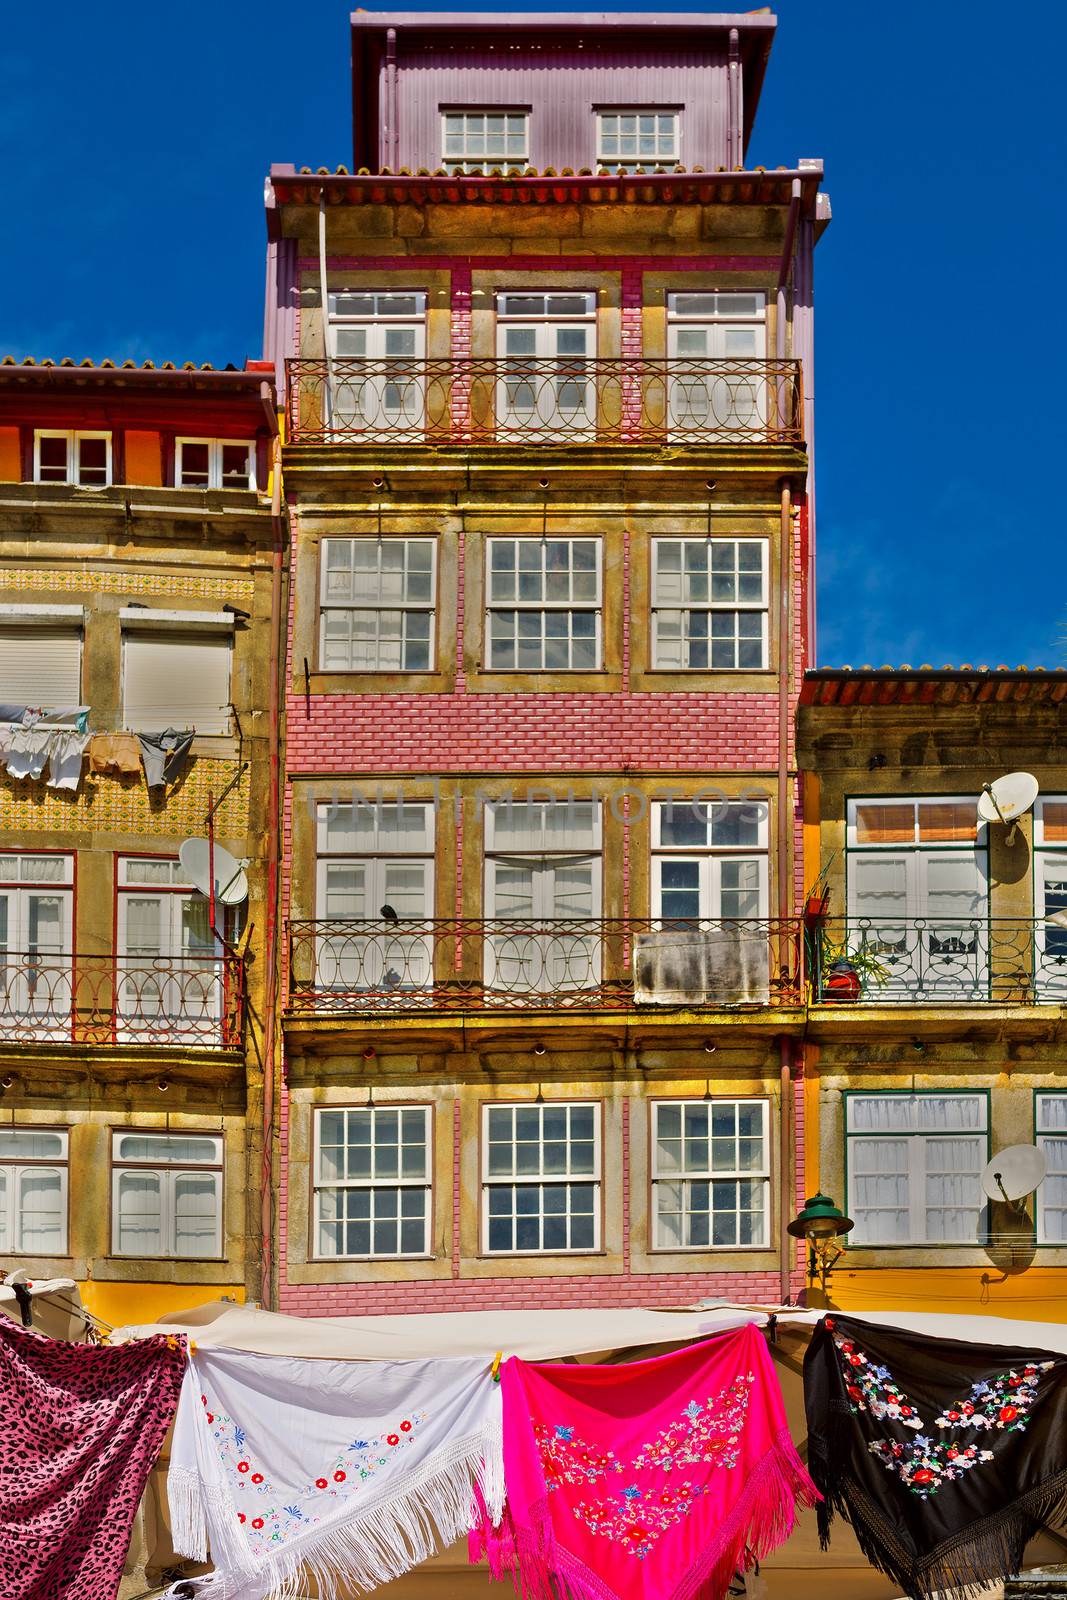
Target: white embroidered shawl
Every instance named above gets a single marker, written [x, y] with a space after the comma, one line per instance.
[348, 1472]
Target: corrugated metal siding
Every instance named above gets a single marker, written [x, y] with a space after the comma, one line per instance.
[561, 85]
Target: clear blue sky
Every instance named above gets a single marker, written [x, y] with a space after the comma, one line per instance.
[136, 137]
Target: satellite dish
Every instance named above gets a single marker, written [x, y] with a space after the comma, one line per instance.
[1008, 798]
[1014, 1172]
[231, 885]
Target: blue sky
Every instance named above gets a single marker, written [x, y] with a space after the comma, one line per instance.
[136, 137]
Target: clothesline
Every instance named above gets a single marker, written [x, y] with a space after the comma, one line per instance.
[33, 742]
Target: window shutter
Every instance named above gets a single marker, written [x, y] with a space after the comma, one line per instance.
[176, 681]
[41, 667]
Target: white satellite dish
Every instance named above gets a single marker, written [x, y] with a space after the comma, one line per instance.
[1014, 1172]
[231, 885]
[1007, 799]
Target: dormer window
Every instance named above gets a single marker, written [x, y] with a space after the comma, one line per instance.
[215, 464]
[626, 140]
[478, 141]
[77, 458]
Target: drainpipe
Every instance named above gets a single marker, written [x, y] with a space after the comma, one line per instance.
[784, 878]
[733, 103]
[273, 833]
[787, 1182]
[804, 348]
[785, 267]
[391, 141]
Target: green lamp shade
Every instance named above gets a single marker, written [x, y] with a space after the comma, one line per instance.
[820, 1219]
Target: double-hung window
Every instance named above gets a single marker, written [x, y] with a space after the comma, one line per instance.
[33, 1191]
[628, 139]
[918, 891]
[1050, 898]
[542, 895]
[36, 918]
[1050, 1119]
[543, 605]
[477, 141]
[716, 345]
[546, 387]
[41, 657]
[377, 605]
[72, 457]
[915, 1167]
[215, 463]
[709, 605]
[377, 341]
[166, 1194]
[372, 1182]
[176, 670]
[709, 860]
[541, 1178]
[374, 896]
[711, 1174]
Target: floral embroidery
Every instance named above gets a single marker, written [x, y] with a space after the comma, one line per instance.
[569, 1460]
[637, 1520]
[922, 1464]
[704, 1433]
[360, 1461]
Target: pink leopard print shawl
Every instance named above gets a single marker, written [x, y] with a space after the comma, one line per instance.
[80, 1428]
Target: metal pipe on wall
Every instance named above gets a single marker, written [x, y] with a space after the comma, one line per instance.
[786, 1183]
[391, 100]
[733, 102]
[272, 884]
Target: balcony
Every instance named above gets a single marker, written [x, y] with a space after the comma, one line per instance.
[93, 1000]
[513, 402]
[467, 965]
[929, 961]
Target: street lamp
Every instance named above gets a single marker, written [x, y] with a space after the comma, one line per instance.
[821, 1223]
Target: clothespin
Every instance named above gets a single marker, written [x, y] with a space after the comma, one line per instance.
[496, 1366]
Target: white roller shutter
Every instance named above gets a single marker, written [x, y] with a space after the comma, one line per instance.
[176, 680]
[40, 667]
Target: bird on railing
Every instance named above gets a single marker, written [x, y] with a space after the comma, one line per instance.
[387, 914]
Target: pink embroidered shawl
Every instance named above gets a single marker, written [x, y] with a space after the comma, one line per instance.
[656, 1480]
[80, 1428]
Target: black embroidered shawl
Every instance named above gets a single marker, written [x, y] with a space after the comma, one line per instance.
[946, 1458]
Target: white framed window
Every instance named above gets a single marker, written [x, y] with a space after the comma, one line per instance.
[477, 141]
[36, 927]
[914, 1167]
[641, 137]
[545, 341]
[378, 340]
[711, 1175]
[541, 1178]
[374, 896]
[41, 656]
[177, 668]
[1050, 897]
[1050, 1136]
[716, 384]
[166, 1194]
[372, 1183]
[542, 871]
[72, 457]
[543, 605]
[709, 860]
[169, 965]
[917, 895]
[33, 1191]
[215, 463]
[710, 604]
[377, 599]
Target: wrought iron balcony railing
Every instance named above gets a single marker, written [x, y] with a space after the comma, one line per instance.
[515, 402]
[467, 964]
[196, 1001]
[939, 961]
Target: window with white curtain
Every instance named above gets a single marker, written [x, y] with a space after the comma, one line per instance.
[36, 960]
[914, 1167]
[1050, 1119]
[542, 872]
[711, 1174]
[33, 1191]
[166, 1195]
[709, 859]
[374, 888]
[540, 1178]
[372, 1182]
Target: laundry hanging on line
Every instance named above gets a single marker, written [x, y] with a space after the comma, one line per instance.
[165, 756]
[350, 1472]
[81, 1427]
[115, 752]
[945, 1458]
[656, 1478]
[32, 741]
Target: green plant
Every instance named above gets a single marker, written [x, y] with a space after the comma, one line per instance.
[861, 957]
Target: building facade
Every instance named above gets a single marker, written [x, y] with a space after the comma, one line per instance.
[137, 558]
[946, 1046]
[547, 357]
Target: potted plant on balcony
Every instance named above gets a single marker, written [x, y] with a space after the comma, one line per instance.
[846, 974]
[817, 897]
